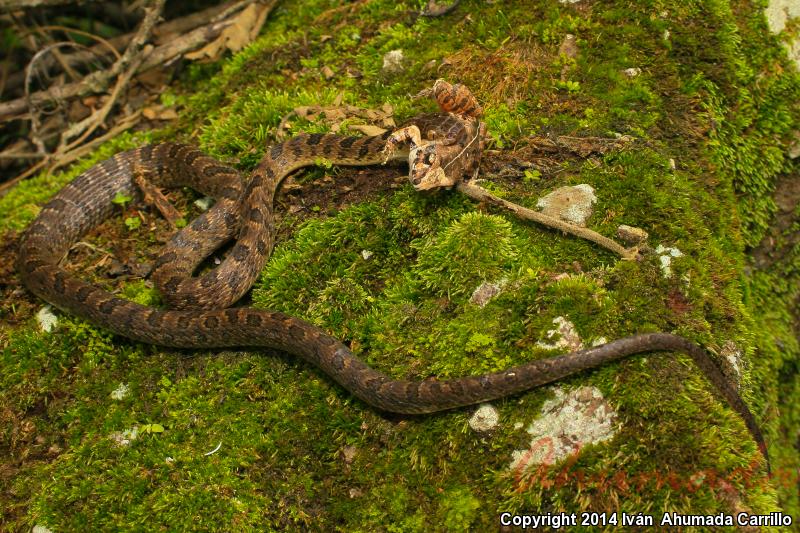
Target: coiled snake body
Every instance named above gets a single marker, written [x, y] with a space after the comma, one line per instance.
[248, 210]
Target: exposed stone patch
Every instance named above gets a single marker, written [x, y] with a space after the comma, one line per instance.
[568, 422]
[569, 46]
[632, 72]
[794, 148]
[631, 235]
[393, 62]
[120, 392]
[778, 13]
[572, 203]
[486, 291]
[47, 319]
[665, 255]
[565, 336]
[125, 437]
[348, 454]
[485, 418]
[204, 203]
[733, 355]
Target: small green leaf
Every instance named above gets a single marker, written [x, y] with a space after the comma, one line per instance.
[180, 223]
[531, 175]
[133, 223]
[121, 199]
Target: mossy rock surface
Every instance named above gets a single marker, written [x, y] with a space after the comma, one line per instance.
[392, 272]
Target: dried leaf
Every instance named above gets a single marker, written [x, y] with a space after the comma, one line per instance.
[159, 112]
[303, 112]
[334, 114]
[242, 30]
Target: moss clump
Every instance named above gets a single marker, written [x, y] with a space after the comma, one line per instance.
[452, 265]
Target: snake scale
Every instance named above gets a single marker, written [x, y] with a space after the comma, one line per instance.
[200, 317]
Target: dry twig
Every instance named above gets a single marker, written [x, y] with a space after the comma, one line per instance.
[482, 195]
[98, 82]
[12, 5]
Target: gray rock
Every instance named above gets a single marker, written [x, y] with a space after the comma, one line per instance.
[631, 235]
[572, 204]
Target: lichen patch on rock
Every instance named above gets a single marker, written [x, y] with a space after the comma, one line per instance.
[485, 418]
[572, 203]
[665, 256]
[486, 291]
[564, 336]
[568, 422]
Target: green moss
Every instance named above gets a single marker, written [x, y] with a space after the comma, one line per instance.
[393, 276]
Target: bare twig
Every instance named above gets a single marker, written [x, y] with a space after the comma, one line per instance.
[29, 70]
[98, 81]
[162, 34]
[21, 155]
[126, 67]
[101, 41]
[153, 196]
[11, 5]
[482, 195]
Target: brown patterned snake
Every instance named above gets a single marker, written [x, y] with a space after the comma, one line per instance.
[201, 321]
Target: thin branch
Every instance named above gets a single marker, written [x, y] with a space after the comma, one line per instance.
[162, 34]
[482, 195]
[12, 5]
[21, 155]
[98, 82]
[126, 67]
[101, 41]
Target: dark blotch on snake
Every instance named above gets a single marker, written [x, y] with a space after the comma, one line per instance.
[84, 292]
[108, 306]
[154, 318]
[58, 282]
[240, 252]
[296, 331]
[229, 192]
[231, 220]
[165, 259]
[256, 215]
[171, 284]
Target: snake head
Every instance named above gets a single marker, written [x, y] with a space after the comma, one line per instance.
[425, 168]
